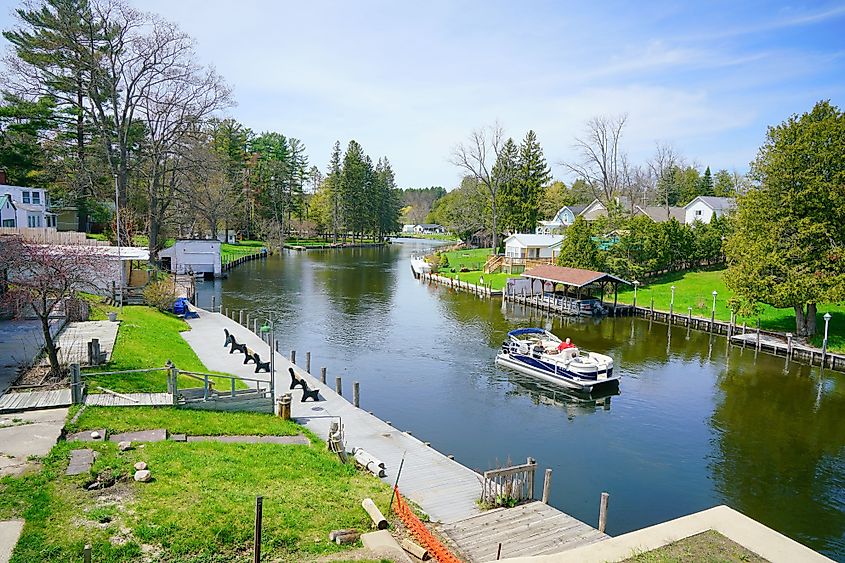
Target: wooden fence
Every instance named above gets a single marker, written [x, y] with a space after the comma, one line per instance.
[509, 484]
[229, 262]
[51, 236]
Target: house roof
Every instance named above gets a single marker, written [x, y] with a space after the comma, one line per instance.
[576, 209]
[429, 225]
[30, 207]
[526, 239]
[658, 214]
[574, 277]
[7, 198]
[714, 203]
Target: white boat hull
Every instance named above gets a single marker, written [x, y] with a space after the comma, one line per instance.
[568, 380]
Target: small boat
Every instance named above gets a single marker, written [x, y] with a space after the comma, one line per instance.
[538, 352]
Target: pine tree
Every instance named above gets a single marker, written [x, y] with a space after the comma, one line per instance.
[332, 183]
[532, 175]
[509, 197]
[578, 249]
[706, 183]
[353, 181]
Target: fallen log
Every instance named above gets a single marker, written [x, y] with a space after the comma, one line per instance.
[334, 533]
[374, 513]
[344, 539]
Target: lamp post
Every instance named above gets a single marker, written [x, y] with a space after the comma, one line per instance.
[271, 328]
[671, 304]
[117, 230]
[826, 318]
[713, 312]
[636, 284]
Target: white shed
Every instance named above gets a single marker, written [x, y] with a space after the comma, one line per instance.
[532, 246]
[193, 256]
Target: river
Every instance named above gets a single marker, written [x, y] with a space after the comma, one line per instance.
[696, 423]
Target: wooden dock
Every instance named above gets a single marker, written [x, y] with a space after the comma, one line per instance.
[477, 289]
[129, 400]
[34, 400]
[446, 490]
[528, 529]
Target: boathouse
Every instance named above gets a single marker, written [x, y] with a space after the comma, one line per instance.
[570, 286]
[193, 256]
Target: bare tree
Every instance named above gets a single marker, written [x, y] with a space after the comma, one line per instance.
[662, 165]
[601, 156]
[477, 156]
[43, 277]
[204, 187]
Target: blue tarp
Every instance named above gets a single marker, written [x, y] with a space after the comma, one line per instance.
[521, 331]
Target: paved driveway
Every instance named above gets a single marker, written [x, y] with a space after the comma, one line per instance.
[20, 341]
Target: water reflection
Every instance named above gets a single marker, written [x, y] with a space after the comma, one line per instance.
[570, 401]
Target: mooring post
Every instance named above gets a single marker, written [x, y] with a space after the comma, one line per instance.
[247, 320]
[308, 362]
[758, 337]
[255, 325]
[652, 308]
[731, 325]
[789, 345]
[547, 486]
[256, 557]
[277, 345]
[293, 357]
[356, 396]
[338, 386]
[241, 317]
[689, 316]
[603, 512]
[323, 375]
[75, 384]
[213, 303]
[86, 553]
[227, 312]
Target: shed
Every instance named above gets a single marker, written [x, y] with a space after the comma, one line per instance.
[575, 280]
[532, 246]
[193, 256]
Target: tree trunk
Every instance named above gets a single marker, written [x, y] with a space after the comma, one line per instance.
[810, 320]
[49, 345]
[800, 321]
[81, 191]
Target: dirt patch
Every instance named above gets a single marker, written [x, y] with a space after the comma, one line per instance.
[706, 546]
[40, 375]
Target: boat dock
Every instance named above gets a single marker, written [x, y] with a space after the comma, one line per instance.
[446, 490]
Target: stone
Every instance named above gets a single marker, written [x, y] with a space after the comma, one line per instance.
[179, 437]
[80, 461]
[157, 435]
[140, 466]
[143, 476]
[95, 435]
[124, 445]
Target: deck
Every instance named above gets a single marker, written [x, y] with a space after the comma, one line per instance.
[129, 400]
[33, 400]
[73, 340]
[446, 490]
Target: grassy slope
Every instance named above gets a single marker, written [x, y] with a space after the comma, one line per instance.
[695, 289]
[199, 507]
[229, 252]
[148, 338]
[710, 546]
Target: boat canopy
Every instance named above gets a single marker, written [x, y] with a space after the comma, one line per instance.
[521, 331]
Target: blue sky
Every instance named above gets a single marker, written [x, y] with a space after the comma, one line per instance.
[411, 80]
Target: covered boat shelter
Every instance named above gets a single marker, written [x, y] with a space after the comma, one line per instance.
[577, 283]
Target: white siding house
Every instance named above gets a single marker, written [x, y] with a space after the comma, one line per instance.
[563, 218]
[532, 246]
[194, 256]
[408, 229]
[25, 208]
[428, 229]
[704, 208]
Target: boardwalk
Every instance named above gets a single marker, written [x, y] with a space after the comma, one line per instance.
[446, 490]
[129, 400]
[32, 400]
[73, 340]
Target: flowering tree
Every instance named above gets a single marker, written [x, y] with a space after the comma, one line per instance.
[41, 278]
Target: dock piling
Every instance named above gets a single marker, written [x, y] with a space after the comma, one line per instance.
[323, 375]
[338, 386]
[603, 512]
[547, 486]
[213, 303]
[356, 395]
[308, 362]
[293, 357]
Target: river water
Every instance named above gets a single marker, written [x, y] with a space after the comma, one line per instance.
[696, 422]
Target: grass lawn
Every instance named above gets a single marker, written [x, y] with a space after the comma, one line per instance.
[229, 252]
[199, 506]
[147, 338]
[433, 236]
[496, 281]
[706, 547]
[695, 289]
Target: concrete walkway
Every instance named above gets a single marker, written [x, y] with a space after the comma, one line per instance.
[28, 434]
[73, 340]
[10, 531]
[20, 342]
[446, 490]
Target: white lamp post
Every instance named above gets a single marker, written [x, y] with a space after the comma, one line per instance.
[713, 312]
[671, 304]
[827, 318]
[636, 284]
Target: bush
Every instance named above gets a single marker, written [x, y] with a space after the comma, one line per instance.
[444, 261]
[160, 294]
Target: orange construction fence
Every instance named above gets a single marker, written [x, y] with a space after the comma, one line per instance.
[436, 549]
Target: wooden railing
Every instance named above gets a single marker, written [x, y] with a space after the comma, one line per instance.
[508, 485]
[51, 236]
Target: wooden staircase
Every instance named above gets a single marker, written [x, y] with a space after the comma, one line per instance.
[494, 264]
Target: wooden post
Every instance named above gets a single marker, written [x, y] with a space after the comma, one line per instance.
[75, 384]
[213, 303]
[241, 317]
[758, 337]
[374, 513]
[255, 325]
[256, 557]
[689, 316]
[416, 550]
[293, 357]
[308, 362]
[247, 320]
[533, 462]
[356, 396]
[338, 386]
[547, 486]
[174, 375]
[86, 553]
[323, 375]
[603, 512]
[652, 308]
[789, 345]
[284, 406]
[227, 312]
[277, 345]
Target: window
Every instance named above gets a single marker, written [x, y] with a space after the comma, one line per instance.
[33, 221]
[36, 198]
[25, 197]
[698, 212]
[8, 223]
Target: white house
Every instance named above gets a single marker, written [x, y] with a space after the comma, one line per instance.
[705, 207]
[230, 236]
[24, 207]
[193, 256]
[532, 246]
[408, 229]
[563, 218]
[428, 229]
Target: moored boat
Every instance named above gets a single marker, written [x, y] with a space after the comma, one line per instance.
[539, 353]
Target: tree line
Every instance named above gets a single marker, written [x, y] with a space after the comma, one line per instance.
[102, 101]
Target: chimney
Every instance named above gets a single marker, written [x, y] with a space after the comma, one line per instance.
[2, 176]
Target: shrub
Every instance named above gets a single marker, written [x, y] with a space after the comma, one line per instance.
[444, 261]
[160, 294]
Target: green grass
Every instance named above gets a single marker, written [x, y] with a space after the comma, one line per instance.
[148, 338]
[443, 236]
[495, 281]
[97, 236]
[199, 506]
[695, 289]
[474, 260]
[182, 421]
[706, 547]
[229, 252]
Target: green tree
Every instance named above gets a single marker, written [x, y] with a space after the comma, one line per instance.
[578, 249]
[706, 187]
[532, 174]
[555, 196]
[724, 184]
[688, 182]
[23, 124]
[354, 176]
[788, 237]
[509, 200]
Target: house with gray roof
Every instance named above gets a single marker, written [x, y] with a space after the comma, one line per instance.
[705, 207]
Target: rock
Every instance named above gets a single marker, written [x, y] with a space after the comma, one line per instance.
[140, 466]
[94, 485]
[143, 476]
[123, 446]
[95, 435]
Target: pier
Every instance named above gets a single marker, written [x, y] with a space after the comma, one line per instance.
[446, 490]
